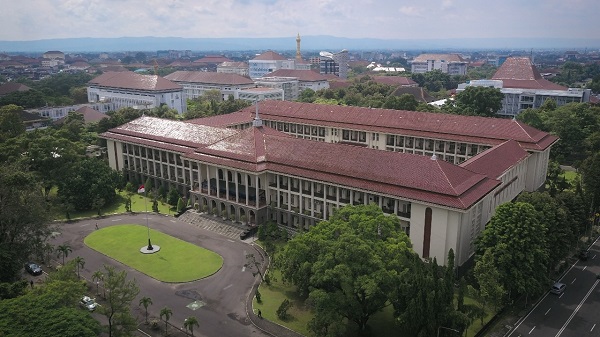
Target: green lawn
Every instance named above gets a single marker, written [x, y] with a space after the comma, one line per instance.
[177, 260]
[570, 176]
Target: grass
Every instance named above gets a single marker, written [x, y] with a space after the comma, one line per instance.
[570, 176]
[177, 260]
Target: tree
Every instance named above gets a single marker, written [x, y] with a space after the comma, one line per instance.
[98, 276]
[180, 205]
[79, 95]
[79, 263]
[88, 180]
[166, 313]
[488, 278]
[252, 263]
[517, 243]
[121, 292]
[590, 178]
[307, 96]
[172, 197]
[479, 101]
[347, 264]
[145, 302]
[63, 250]
[531, 117]
[11, 124]
[190, 322]
[403, 102]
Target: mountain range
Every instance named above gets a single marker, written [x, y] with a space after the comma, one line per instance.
[309, 43]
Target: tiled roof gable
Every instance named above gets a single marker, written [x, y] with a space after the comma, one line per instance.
[269, 56]
[208, 77]
[131, 80]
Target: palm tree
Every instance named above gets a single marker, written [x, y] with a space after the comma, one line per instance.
[97, 276]
[167, 313]
[146, 301]
[63, 250]
[80, 263]
[47, 248]
[190, 322]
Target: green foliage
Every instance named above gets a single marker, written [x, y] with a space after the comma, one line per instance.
[488, 278]
[517, 242]
[148, 185]
[351, 262]
[11, 124]
[173, 197]
[258, 296]
[120, 292]
[181, 205]
[166, 313]
[403, 102]
[479, 101]
[27, 99]
[282, 311]
[12, 289]
[87, 180]
[23, 219]
[191, 322]
[590, 173]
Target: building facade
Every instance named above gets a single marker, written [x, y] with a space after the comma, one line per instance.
[196, 83]
[129, 89]
[452, 64]
[247, 168]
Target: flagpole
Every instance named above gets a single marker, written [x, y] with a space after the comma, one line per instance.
[147, 225]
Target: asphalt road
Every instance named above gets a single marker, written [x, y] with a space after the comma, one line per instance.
[574, 313]
[220, 297]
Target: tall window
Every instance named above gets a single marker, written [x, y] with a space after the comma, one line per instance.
[427, 233]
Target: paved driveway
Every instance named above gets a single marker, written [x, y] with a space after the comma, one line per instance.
[218, 302]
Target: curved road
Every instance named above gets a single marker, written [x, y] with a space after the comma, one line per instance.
[221, 297]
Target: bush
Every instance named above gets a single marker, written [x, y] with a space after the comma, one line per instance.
[180, 205]
[196, 206]
[282, 313]
[154, 324]
[268, 279]
[258, 296]
[204, 208]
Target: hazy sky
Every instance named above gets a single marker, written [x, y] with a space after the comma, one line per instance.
[401, 19]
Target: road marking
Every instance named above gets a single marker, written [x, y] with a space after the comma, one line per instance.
[547, 312]
[593, 257]
[584, 268]
[243, 269]
[84, 225]
[573, 280]
[230, 240]
[593, 326]
[229, 286]
[561, 295]
[577, 309]
[173, 221]
[113, 220]
[530, 331]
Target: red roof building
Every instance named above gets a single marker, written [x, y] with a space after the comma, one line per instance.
[285, 164]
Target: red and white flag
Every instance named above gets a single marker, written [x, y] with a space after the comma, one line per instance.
[141, 189]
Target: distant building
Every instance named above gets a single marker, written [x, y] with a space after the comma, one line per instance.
[524, 87]
[128, 89]
[196, 83]
[268, 62]
[334, 63]
[289, 85]
[452, 64]
[54, 54]
[90, 115]
[240, 68]
[307, 79]
[57, 112]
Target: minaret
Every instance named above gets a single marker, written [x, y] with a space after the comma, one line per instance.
[257, 122]
[298, 55]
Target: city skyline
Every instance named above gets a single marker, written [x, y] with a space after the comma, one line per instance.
[384, 19]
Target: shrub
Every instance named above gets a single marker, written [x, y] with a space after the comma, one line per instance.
[204, 208]
[258, 296]
[282, 313]
[196, 206]
[154, 324]
[268, 279]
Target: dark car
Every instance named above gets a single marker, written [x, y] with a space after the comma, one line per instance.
[584, 254]
[33, 268]
[248, 232]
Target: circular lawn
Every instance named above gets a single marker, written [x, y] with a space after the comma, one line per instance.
[176, 261]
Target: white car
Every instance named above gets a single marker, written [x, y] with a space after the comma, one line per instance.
[88, 303]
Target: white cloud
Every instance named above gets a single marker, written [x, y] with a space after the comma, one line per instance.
[43, 19]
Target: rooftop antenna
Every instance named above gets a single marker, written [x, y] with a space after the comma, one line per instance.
[257, 121]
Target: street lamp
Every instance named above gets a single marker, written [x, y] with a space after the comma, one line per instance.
[443, 327]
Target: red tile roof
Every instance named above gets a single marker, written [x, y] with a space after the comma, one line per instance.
[495, 161]
[408, 176]
[419, 93]
[131, 80]
[209, 78]
[478, 130]
[338, 83]
[301, 75]
[439, 57]
[10, 87]
[269, 56]
[520, 73]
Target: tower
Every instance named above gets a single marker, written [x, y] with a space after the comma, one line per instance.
[298, 55]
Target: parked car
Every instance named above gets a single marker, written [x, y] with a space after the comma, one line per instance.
[33, 268]
[248, 232]
[88, 303]
[558, 288]
[584, 254]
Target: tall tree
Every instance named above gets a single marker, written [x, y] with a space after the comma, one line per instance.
[166, 313]
[590, 177]
[63, 251]
[87, 180]
[120, 293]
[23, 219]
[190, 322]
[517, 242]
[98, 276]
[145, 302]
[479, 101]
[79, 263]
[11, 123]
[488, 278]
[348, 263]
